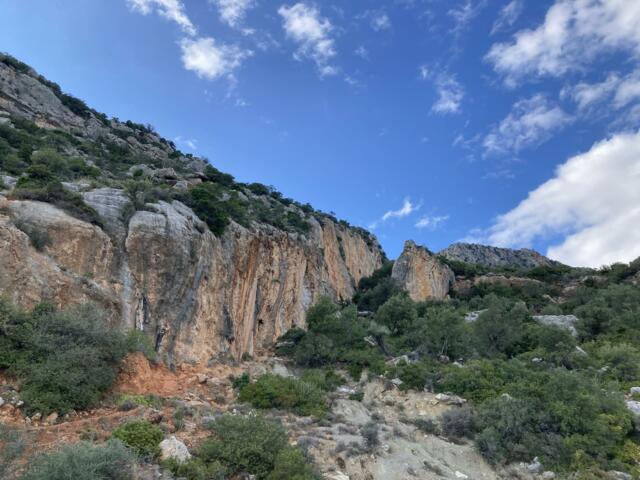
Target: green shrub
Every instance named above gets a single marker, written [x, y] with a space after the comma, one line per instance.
[13, 445]
[127, 401]
[457, 422]
[244, 445]
[143, 437]
[398, 314]
[196, 469]
[83, 461]
[273, 391]
[38, 237]
[138, 341]
[242, 381]
[65, 359]
[327, 380]
[290, 464]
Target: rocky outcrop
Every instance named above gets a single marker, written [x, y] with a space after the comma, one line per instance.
[493, 257]
[197, 295]
[421, 274]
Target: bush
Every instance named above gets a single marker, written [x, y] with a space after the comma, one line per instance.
[327, 380]
[240, 382]
[369, 432]
[398, 314]
[143, 437]
[83, 461]
[290, 464]
[499, 330]
[66, 360]
[138, 341]
[457, 422]
[13, 445]
[244, 445]
[273, 391]
[196, 469]
[39, 238]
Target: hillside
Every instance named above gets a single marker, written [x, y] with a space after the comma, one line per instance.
[159, 319]
[162, 240]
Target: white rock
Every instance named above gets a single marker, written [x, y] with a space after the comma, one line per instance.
[337, 476]
[634, 390]
[461, 475]
[1, 401]
[633, 407]
[397, 382]
[174, 448]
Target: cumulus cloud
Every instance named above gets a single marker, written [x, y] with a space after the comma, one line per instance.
[169, 9]
[432, 223]
[530, 122]
[593, 201]
[450, 92]
[210, 60]
[407, 208]
[233, 12]
[303, 24]
[573, 33]
[509, 14]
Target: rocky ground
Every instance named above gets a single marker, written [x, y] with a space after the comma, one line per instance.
[342, 445]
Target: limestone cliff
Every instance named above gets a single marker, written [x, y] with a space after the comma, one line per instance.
[164, 271]
[422, 274]
[148, 259]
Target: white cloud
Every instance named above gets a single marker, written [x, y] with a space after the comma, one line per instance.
[463, 14]
[304, 24]
[210, 60]
[593, 201]
[432, 223]
[450, 92]
[190, 143]
[587, 94]
[380, 21]
[622, 91]
[170, 9]
[509, 14]
[407, 208]
[530, 122]
[233, 12]
[362, 52]
[573, 32]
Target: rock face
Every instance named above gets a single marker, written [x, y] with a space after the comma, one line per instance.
[197, 295]
[494, 256]
[422, 274]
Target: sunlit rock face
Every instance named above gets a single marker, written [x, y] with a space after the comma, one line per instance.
[197, 295]
[420, 273]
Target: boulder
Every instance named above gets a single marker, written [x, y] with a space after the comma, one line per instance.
[172, 448]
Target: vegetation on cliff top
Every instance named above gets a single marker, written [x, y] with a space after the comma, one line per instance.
[126, 156]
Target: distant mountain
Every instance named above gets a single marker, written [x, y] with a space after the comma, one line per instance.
[492, 257]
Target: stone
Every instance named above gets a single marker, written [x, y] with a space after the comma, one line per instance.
[617, 475]
[2, 402]
[634, 391]
[548, 475]
[397, 382]
[201, 378]
[566, 322]
[172, 448]
[535, 466]
[450, 399]
[153, 416]
[337, 475]
[422, 274]
[51, 418]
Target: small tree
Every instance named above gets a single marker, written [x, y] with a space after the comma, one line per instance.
[398, 313]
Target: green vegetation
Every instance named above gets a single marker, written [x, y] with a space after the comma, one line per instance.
[65, 360]
[143, 437]
[246, 446]
[532, 391]
[273, 391]
[83, 461]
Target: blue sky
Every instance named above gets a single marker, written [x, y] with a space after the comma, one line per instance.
[513, 123]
